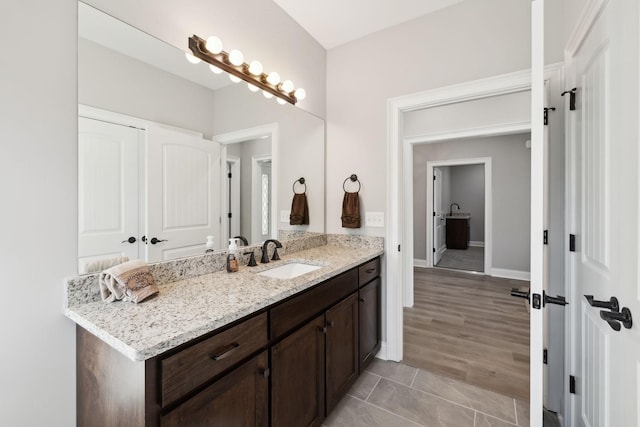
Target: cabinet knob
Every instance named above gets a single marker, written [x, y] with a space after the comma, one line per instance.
[265, 373]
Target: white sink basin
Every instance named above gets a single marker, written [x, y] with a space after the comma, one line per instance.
[289, 271]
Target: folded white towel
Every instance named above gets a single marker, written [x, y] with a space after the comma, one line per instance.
[131, 281]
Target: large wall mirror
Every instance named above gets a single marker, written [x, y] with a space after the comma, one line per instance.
[170, 153]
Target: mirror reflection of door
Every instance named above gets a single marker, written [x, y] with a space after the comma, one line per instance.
[261, 206]
[246, 196]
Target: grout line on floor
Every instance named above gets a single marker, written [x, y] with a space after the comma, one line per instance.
[414, 378]
[475, 418]
[515, 408]
[388, 411]
[374, 387]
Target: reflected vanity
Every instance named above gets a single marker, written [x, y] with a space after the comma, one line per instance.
[158, 139]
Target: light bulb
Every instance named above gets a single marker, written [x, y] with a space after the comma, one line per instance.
[253, 88]
[273, 78]
[234, 78]
[300, 94]
[267, 95]
[287, 86]
[191, 58]
[214, 45]
[214, 69]
[281, 101]
[236, 57]
[255, 68]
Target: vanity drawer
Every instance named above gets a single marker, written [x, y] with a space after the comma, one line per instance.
[193, 366]
[286, 316]
[369, 271]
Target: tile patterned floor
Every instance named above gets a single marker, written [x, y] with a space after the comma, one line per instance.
[398, 395]
[471, 259]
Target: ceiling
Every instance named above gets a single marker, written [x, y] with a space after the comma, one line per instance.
[335, 22]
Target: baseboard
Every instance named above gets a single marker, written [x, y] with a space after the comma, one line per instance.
[510, 274]
[420, 263]
[476, 244]
[382, 354]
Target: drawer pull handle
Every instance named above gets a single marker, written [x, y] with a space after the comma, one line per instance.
[322, 329]
[226, 352]
[331, 324]
[363, 299]
[371, 270]
[265, 373]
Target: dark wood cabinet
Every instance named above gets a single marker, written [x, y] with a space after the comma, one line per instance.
[287, 365]
[297, 383]
[457, 234]
[342, 367]
[239, 399]
[370, 324]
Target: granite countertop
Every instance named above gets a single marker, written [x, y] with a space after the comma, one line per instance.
[189, 308]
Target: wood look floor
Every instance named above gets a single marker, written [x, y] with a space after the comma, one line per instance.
[468, 327]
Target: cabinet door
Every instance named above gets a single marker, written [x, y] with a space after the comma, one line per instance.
[369, 322]
[239, 399]
[297, 381]
[342, 349]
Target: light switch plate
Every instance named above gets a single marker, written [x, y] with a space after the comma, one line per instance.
[284, 216]
[374, 219]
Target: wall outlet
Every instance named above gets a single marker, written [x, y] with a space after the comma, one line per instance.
[374, 219]
[284, 216]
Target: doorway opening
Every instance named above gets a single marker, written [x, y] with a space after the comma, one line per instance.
[459, 195]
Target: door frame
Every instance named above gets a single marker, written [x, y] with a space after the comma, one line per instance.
[486, 162]
[256, 191]
[268, 130]
[234, 209]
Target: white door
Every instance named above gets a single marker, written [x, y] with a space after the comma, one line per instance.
[437, 216]
[261, 210]
[107, 191]
[604, 218]
[183, 193]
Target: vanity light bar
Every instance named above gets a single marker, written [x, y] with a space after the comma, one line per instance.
[221, 60]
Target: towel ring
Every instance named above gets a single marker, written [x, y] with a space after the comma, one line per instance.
[353, 178]
[301, 181]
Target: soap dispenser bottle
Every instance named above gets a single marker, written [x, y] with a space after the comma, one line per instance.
[210, 244]
[232, 261]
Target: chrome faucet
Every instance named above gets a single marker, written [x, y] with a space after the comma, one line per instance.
[265, 254]
[451, 208]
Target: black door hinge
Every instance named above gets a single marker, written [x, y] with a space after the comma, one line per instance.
[434, 250]
[229, 215]
[229, 175]
[572, 97]
[572, 384]
[434, 177]
[434, 214]
[546, 114]
[545, 237]
[572, 242]
[398, 248]
[544, 356]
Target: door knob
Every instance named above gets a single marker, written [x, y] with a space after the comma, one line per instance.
[553, 300]
[155, 240]
[130, 240]
[612, 304]
[515, 292]
[615, 318]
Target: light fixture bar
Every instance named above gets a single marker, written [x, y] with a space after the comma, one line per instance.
[221, 60]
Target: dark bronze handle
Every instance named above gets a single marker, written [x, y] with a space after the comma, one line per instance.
[331, 324]
[226, 352]
[614, 318]
[155, 240]
[130, 240]
[612, 304]
[515, 292]
[322, 329]
[554, 300]
[371, 270]
[362, 299]
[265, 373]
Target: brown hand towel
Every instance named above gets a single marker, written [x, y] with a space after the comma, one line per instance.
[131, 281]
[351, 210]
[299, 210]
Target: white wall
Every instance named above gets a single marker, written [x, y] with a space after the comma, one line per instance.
[116, 82]
[38, 169]
[511, 193]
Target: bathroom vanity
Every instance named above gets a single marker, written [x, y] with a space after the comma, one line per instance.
[279, 352]
[458, 231]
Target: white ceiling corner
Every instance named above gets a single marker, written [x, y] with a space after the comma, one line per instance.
[336, 22]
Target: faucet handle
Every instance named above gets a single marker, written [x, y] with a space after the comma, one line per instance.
[252, 259]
